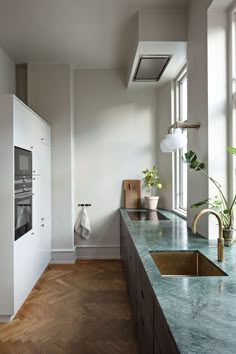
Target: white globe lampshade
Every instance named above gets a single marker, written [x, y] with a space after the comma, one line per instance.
[172, 142]
[165, 144]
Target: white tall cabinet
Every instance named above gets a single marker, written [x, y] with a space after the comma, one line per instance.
[22, 261]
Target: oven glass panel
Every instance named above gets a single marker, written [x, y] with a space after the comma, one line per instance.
[23, 162]
[23, 214]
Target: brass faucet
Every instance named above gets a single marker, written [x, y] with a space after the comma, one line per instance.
[220, 241]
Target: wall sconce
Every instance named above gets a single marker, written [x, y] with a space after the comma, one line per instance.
[177, 139]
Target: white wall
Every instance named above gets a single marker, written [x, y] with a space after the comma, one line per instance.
[197, 104]
[115, 139]
[164, 114]
[163, 24]
[217, 103]
[50, 95]
[7, 74]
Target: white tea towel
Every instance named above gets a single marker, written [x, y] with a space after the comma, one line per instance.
[82, 226]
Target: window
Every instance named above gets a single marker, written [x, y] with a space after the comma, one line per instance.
[232, 99]
[180, 167]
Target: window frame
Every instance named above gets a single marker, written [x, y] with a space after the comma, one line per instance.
[232, 99]
[178, 155]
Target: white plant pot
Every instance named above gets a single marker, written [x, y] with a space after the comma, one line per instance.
[151, 202]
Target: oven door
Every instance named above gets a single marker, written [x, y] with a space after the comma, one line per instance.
[23, 213]
[23, 162]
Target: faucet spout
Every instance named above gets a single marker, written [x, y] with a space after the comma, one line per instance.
[220, 241]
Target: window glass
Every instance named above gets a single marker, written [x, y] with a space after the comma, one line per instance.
[180, 167]
[232, 125]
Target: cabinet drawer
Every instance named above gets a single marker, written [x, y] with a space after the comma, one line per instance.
[144, 329]
[144, 289]
[162, 332]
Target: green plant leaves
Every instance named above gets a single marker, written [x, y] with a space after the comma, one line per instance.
[198, 204]
[194, 164]
[151, 177]
[232, 150]
[219, 203]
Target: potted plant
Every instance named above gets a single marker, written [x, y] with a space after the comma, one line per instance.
[219, 203]
[151, 180]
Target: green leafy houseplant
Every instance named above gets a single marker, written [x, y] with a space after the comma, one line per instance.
[151, 180]
[219, 203]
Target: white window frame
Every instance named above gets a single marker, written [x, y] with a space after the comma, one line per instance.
[177, 156]
[232, 100]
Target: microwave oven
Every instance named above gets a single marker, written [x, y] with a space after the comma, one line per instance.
[23, 162]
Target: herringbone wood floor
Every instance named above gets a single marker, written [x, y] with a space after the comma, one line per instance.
[74, 309]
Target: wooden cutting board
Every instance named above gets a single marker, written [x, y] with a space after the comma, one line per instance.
[132, 193]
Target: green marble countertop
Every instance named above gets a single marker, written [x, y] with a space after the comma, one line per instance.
[200, 311]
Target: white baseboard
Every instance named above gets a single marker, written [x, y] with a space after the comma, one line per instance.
[6, 318]
[97, 252]
[69, 256]
[61, 256]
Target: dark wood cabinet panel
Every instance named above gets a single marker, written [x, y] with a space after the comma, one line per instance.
[162, 332]
[128, 257]
[144, 329]
[157, 349]
[153, 333]
[132, 286]
[124, 247]
[144, 289]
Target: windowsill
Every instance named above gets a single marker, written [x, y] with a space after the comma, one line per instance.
[180, 213]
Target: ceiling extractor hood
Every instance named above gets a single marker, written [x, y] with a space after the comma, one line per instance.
[151, 67]
[159, 46]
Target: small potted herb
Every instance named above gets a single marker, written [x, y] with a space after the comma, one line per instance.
[151, 180]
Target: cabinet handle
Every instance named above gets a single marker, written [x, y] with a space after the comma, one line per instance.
[42, 225]
[32, 233]
[31, 147]
[42, 219]
[42, 139]
[142, 294]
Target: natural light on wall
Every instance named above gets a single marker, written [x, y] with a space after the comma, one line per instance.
[232, 90]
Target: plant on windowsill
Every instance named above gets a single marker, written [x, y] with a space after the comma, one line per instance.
[219, 203]
[151, 180]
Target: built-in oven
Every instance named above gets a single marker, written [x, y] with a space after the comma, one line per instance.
[23, 213]
[23, 162]
[23, 192]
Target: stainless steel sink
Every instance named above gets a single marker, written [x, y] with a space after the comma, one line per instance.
[185, 264]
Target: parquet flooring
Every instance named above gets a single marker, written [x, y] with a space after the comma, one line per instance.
[74, 309]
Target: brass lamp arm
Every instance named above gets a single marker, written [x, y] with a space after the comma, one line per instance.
[183, 125]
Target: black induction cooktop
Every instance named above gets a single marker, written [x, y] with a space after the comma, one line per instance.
[146, 215]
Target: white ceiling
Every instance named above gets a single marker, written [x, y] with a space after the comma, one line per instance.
[87, 33]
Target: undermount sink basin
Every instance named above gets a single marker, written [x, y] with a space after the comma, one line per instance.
[185, 264]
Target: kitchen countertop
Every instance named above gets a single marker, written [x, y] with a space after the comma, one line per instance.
[200, 311]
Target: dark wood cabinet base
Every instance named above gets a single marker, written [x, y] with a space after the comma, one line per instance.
[153, 333]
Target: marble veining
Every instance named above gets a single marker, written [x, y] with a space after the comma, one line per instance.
[200, 311]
